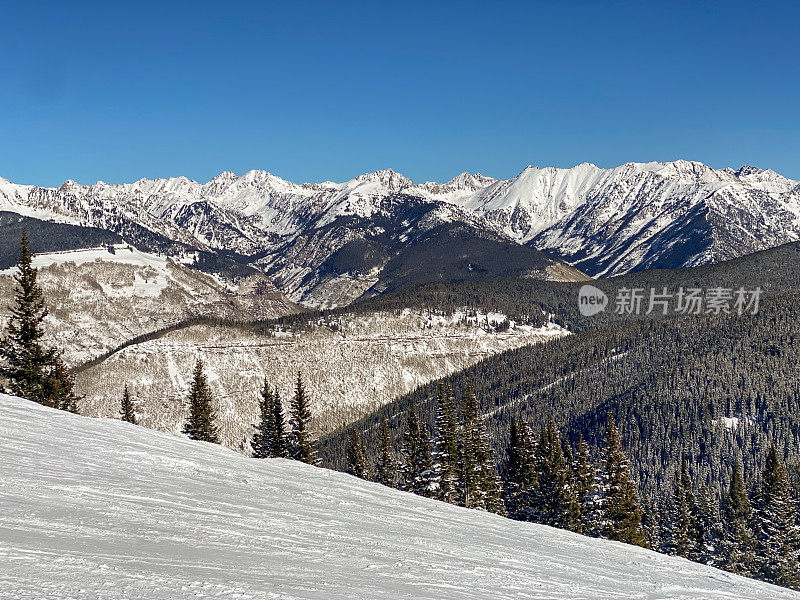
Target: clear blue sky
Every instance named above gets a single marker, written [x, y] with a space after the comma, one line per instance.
[314, 91]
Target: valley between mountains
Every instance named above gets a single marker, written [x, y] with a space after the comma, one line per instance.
[393, 310]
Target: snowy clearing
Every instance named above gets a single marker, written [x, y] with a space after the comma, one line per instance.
[95, 508]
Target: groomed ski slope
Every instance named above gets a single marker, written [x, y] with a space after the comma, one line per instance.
[96, 509]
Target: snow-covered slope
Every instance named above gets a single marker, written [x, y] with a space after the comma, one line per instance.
[351, 364]
[643, 215]
[327, 243]
[99, 298]
[93, 509]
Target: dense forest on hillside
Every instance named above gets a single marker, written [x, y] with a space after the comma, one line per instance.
[720, 389]
[775, 271]
[717, 387]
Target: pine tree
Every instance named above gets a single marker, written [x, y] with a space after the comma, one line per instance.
[480, 486]
[583, 473]
[410, 451]
[739, 538]
[572, 493]
[445, 454]
[126, 409]
[26, 362]
[262, 438]
[519, 473]
[58, 388]
[778, 536]
[710, 530]
[386, 469]
[200, 424]
[685, 532]
[551, 502]
[356, 456]
[279, 444]
[417, 467]
[301, 446]
[621, 513]
[424, 482]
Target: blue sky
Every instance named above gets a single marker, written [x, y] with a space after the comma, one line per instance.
[315, 91]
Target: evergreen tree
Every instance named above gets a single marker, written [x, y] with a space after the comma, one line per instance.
[386, 469]
[551, 502]
[279, 444]
[445, 454]
[684, 530]
[126, 409]
[519, 473]
[356, 456]
[262, 438]
[778, 536]
[200, 424]
[480, 486]
[301, 446]
[424, 484]
[409, 451]
[583, 474]
[739, 538]
[417, 467]
[26, 362]
[710, 530]
[621, 513]
[58, 388]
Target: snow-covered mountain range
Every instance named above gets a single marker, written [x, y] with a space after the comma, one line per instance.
[329, 243]
[96, 508]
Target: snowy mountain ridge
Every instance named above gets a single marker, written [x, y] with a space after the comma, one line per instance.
[123, 512]
[602, 221]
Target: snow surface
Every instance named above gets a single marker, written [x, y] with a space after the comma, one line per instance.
[95, 508]
[98, 299]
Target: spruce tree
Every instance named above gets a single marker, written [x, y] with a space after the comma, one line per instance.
[739, 538]
[417, 467]
[126, 411]
[279, 444]
[58, 387]
[356, 456]
[301, 445]
[622, 514]
[410, 451]
[200, 423]
[583, 474]
[572, 493]
[26, 362]
[262, 438]
[445, 454]
[710, 530]
[519, 473]
[684, 527]
[778, 536]
[480, 486]
[386, 469]
[551, 503]
[424, 481]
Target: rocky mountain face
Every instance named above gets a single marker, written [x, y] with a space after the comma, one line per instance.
[328, 244]
[643, 215]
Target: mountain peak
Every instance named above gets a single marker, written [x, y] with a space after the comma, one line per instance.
[225, 177]
[387, 178]
[70, 185]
